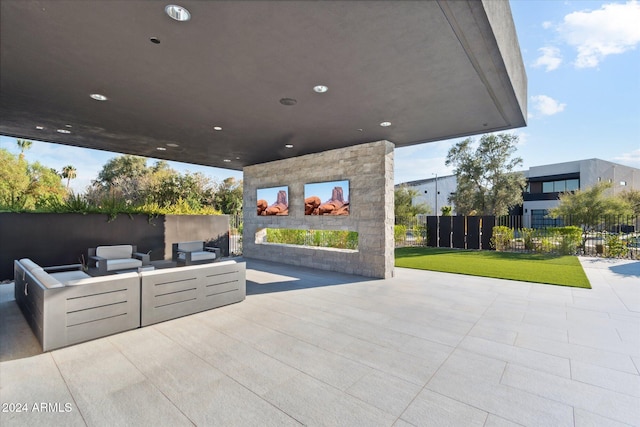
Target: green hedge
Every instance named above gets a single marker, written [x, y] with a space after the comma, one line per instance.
[560, 240]
[319, 238]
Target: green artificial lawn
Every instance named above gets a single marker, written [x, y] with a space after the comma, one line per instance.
[538, 268]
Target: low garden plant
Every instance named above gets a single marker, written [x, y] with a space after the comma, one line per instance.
[338, 239]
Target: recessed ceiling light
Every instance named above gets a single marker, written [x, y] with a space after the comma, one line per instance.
[39, 127]
[385, 124]
[63, 131]
[68, 126]
[161, 149]
[288, 101]
[217, 128]
[98, 97]
[237, 158]
[155, 40]
[226, 160]
[178, 13]
[360, 130]
[320, 88]
[288, 146]
[172, 145]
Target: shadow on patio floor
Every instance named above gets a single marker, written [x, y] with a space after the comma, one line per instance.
[16, 338]
[267, 277]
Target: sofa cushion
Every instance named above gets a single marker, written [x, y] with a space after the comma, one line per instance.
[123, 263]
[191, 246]
[115, 251]
[66, 276]
[47, 280]
[28, 264]
[199, 256]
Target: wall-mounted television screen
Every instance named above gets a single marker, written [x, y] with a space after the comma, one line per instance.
[327, 198]
[273, 201]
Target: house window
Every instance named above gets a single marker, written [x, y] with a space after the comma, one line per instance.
[539, 219]
[560, 186]
[573, 184]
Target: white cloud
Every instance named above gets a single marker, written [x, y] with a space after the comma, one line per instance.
[546, 25]
[546, 106]
[629, 159]
[550, 58]
[612, 29]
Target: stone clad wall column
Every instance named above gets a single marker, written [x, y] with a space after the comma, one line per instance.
[369, 169]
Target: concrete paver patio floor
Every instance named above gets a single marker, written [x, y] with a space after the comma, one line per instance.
[310, 347]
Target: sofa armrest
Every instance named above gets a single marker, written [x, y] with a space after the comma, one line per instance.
[217, 251]
[145, 258]
[102, 266]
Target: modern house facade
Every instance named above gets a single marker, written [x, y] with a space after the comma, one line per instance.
[545, 183]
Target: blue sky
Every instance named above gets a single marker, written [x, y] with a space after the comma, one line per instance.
[583, 67]
[324, 190]
[271, 194]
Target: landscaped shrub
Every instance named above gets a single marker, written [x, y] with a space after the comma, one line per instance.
[548, 245]
[422, 233]
[529, 236]
[114, 205]
[338, 239]
[399, 233]
[615, 247]
[569, 238]
[286, 236]
[501, 238]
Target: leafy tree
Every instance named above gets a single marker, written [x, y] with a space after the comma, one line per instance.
[69, 173]
[194, 189]
[632, 197]
[126, 166]
[404, 209]
[446, 210]
[589, 207]
[45, 186]
[128, 180]
[228, 197]
[25, 186]
[24, 146]
[487, 182]
[14, 181]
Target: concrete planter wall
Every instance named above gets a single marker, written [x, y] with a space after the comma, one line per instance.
[58, 239]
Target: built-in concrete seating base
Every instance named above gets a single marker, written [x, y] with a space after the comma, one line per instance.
[64, 305]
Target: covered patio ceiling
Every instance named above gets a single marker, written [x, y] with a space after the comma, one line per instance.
[432, 69]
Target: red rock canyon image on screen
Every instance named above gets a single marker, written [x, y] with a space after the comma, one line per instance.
[273, 201]
[327, 198]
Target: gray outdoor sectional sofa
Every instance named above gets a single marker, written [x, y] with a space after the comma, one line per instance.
[65, 306]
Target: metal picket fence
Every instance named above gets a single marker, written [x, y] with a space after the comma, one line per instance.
[614, 236]
[235, 234]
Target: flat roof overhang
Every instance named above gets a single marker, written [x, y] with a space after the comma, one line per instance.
[433, 69]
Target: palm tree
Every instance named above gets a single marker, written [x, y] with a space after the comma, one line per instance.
[69, 172]
[24, 145]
